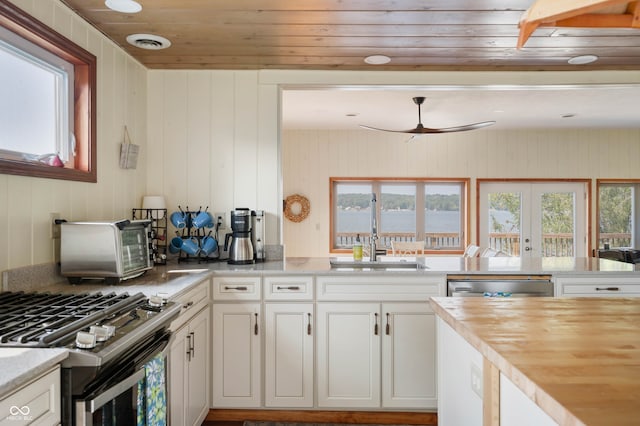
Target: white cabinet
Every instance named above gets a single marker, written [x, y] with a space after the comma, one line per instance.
[372, 355]
[609, 285]
[289, 334]
[408, 356]
[376, 343]
[37, 403]
[236, 355]
[189, 359]
[348, 355]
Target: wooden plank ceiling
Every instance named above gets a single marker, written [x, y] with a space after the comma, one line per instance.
[339, 34]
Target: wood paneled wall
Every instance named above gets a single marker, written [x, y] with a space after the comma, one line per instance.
[310, 157]
[25, 203]
[213, 142]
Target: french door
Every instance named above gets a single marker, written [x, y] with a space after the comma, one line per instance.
[531, 219]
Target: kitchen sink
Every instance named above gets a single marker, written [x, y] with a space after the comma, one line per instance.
[383, 262]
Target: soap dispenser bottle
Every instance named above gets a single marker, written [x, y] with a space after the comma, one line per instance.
[357, 249]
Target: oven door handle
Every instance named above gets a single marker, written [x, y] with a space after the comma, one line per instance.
[94, 404]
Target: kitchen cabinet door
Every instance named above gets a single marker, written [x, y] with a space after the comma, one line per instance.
[348, 346]
[236, 339]
[289, 355]
[189, 372]
[408, 356]
[197, 403]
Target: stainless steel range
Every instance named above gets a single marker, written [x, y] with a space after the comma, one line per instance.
[110, 339]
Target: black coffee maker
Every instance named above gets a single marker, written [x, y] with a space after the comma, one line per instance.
[241, 249]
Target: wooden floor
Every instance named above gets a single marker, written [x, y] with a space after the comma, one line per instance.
[222, 417]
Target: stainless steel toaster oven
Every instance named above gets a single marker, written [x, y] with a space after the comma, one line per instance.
[112, 251]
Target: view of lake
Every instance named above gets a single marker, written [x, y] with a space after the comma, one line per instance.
[404, 220]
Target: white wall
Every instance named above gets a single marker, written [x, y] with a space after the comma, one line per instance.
[311, 157]
[213, 142]
[25, 203]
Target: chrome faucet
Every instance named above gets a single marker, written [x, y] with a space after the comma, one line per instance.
[374, 230]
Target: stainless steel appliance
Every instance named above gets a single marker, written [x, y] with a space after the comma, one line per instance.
[513, 286]
[110, 339]
[241, 249]
[258, 231]
[112, 251]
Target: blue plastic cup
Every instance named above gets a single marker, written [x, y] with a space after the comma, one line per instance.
[178, 219]
[202, 219]
[190, 247]
[209, 245]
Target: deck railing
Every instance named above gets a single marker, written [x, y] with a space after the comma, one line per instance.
[553, 244]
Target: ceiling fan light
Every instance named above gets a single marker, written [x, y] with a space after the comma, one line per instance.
[582, 59]
[124, 6]
[377, 60]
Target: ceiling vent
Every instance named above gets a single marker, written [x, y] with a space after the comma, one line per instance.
[148, 41]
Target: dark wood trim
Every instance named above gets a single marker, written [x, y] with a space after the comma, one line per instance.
[311, 416]
[84, 166]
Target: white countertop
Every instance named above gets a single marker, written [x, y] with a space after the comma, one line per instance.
[19, 366]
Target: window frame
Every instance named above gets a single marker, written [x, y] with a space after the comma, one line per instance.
[84, 164]
[376, 182]
[635, 216]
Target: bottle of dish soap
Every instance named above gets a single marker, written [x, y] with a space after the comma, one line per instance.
[357, 249]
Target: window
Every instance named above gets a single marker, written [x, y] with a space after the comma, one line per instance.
[47, 101]
[618, 213]
[429, 210]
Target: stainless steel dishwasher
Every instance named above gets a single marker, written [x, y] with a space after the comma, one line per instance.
[500, 286]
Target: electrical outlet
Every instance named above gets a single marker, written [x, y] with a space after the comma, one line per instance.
[476, 380]
[219, 220]
[55, 229]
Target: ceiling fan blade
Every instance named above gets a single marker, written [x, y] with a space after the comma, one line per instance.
[421, 130]
[463, 128]
[388, 130]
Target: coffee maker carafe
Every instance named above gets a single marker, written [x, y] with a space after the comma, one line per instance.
[241, 249]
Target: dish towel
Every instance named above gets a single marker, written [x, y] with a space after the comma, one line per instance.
[152, 394]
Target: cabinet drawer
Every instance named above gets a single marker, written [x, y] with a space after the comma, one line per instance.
[288, 288]
[598, 286]
[192, 301]
[236, 288]
[38, 401]
[379, 288]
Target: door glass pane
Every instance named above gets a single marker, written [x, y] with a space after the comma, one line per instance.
[504, 221]
[397, 206]
[443, 216]
[616, 212]
[353, 213]
[558, 223]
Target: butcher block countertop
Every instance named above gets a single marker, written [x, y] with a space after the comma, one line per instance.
[577, 359]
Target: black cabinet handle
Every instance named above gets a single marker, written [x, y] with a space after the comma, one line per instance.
[375, 327]
[255, 328]
[309, 324]
[241, 288]
[387, 327]
[607, 288]
[290, 287]
[192, 345]
[188, 347]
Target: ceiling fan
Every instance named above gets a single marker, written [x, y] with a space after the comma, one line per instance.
[420, 129]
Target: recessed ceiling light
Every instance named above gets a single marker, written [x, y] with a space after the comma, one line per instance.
[377, 59]
[124, 6]
[583, 59]
[148, 41]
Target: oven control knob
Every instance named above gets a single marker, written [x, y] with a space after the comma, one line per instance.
[156, 301]
[85, 340]
[101, 333]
